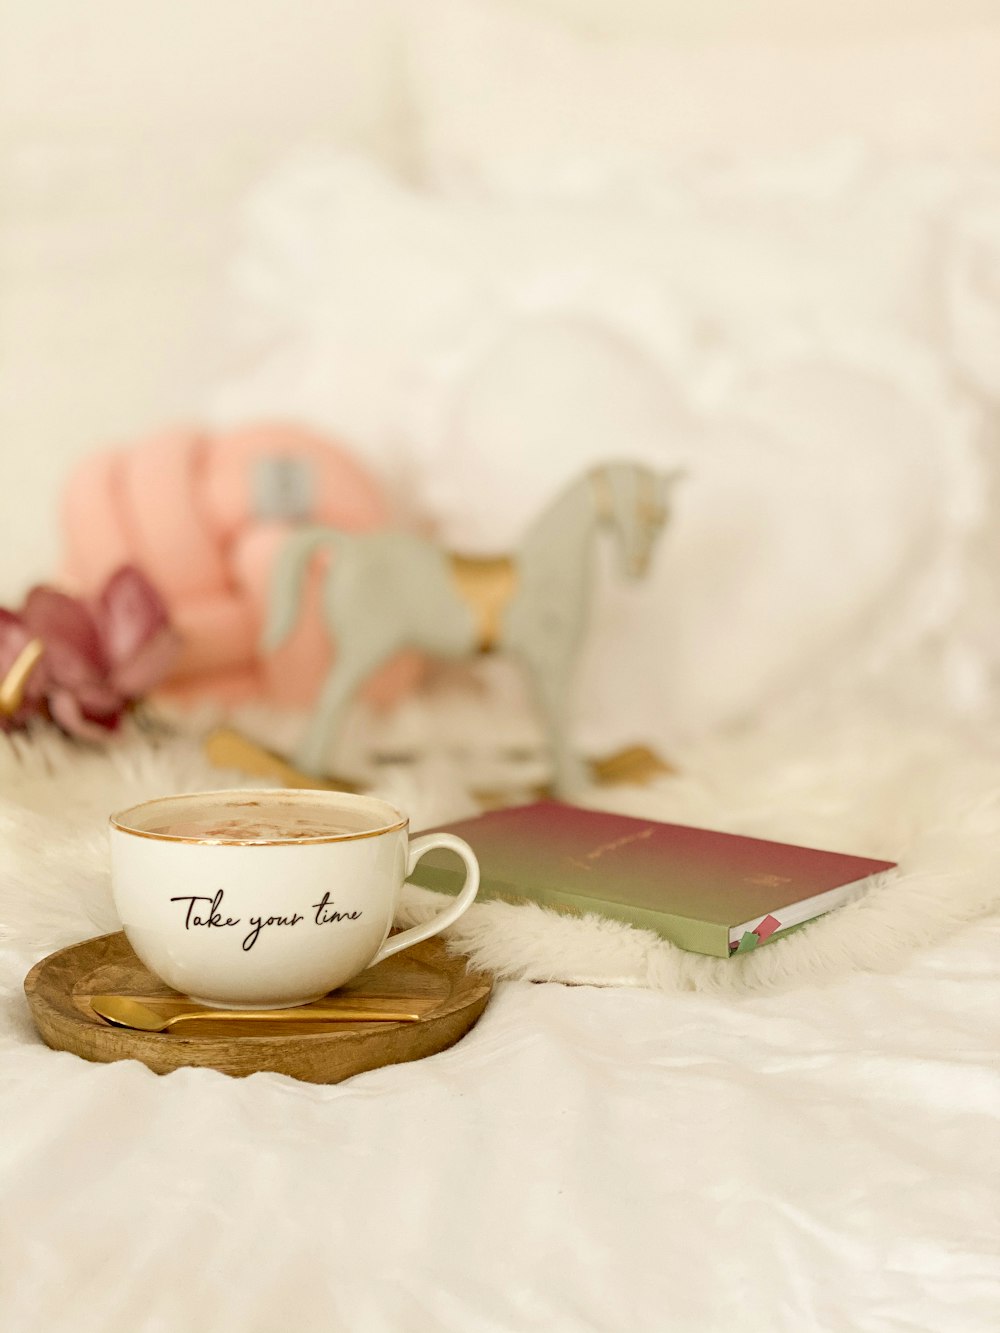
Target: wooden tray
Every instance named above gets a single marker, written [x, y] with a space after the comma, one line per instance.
[449, 997]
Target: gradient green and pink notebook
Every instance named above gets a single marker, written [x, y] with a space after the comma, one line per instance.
[714, 893]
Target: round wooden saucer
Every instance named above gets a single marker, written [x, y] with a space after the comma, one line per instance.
[436, 984]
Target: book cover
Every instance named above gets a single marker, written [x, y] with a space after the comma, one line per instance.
[714, 893]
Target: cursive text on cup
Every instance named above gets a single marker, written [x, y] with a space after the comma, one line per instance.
[212, 917]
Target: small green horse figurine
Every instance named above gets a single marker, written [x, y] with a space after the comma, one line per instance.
[389, 590]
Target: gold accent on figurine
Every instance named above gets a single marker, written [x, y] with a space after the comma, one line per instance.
[15, 682]
[227, 748]
[486, 585]
[635, 765]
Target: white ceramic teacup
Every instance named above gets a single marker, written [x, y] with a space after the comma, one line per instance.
[263, 917]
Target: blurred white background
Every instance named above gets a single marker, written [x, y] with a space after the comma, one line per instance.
[132, 135]
[128, 133]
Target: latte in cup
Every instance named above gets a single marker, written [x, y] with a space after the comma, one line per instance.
[252, 819]
[266, 899]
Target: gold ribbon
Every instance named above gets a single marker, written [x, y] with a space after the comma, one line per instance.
[15, 682]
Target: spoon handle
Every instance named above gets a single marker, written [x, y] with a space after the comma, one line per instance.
[343, 1014]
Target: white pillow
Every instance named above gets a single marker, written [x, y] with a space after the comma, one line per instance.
[358, 294]
[515, 102]
[481, 355]
[819, 533]
[750, 251]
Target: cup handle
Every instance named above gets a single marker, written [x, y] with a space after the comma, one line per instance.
[418, 848]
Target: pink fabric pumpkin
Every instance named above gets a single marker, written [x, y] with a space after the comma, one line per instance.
[186, 507]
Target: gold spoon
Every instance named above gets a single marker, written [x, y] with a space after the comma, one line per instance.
[124, 1011]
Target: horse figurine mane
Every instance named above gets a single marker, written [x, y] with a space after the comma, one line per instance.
[391, 590]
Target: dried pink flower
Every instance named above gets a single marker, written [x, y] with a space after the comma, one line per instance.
[99, 654]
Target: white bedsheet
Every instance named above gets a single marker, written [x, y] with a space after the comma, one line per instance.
[584, 1160]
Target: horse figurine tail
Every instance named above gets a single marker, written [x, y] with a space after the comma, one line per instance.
[286, 583]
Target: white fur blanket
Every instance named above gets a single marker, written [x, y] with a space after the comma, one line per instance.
[834, 1142]
[927, 796]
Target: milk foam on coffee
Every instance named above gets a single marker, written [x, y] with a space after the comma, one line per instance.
[249, 820]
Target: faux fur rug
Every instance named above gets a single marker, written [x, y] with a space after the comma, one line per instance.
[926, 796]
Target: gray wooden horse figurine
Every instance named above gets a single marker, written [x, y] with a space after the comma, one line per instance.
[389, 590]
